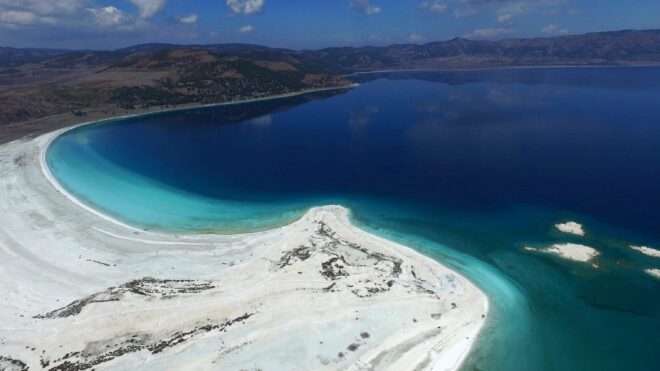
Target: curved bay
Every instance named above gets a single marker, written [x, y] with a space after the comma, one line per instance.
[484, 162]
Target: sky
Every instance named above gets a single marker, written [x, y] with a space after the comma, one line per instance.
[306, 24]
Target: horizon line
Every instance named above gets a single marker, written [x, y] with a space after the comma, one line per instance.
[338, 46]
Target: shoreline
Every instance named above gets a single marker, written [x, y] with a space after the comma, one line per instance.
[66, 120]
[72, 228]
[500, 68]
[53, 134]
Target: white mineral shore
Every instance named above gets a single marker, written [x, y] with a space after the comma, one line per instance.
[646, 251]
[654, 272]
[571, 227]
[571, 251]
[80, 290]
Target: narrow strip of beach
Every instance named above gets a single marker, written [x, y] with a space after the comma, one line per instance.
[67, 120]
[84, 290]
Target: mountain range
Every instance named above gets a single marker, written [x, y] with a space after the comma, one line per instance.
[36, 83]
[598, 48]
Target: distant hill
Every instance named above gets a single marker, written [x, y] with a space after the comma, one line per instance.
[41, 82]
[14, 55]
[598, 48]
[146, 78]
[602, 48]
[218, 48]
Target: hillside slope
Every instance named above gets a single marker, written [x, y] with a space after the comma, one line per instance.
[80, 81]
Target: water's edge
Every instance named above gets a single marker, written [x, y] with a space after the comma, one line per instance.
[507, 304]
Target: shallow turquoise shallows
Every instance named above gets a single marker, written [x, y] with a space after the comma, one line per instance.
[466, 167]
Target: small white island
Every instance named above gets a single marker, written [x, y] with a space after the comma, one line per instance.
[570, 251]
[646, 251]
[571, 228]
[653, 272]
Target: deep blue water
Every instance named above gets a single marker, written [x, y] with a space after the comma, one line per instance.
[465, 166]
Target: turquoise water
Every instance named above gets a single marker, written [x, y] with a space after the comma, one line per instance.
[467, 167]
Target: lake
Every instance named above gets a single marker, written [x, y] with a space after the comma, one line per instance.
[468, 167]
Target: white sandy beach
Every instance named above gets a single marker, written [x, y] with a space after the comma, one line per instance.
[81, 290]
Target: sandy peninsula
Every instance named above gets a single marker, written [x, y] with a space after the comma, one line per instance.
[82, 291]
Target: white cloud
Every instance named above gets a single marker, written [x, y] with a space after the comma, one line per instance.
[15, 13]
[364, 6]
[43, 7]
[574, 11]
[71, 12]
[506, 11]
[464, 12]
[416, 37]
[75, 14]
[551, 12]
[17, 17]
[189, 19]
[435, 6]
[62, 23]
[374, 38]
[13, 18]
[246, 28]
[511, 10]
[245, 7]
[108, 16]
[149, 8]
[485, 33]
[505, 18]
[554, 29]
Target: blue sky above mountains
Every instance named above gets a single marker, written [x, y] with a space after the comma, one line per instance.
[104, 24]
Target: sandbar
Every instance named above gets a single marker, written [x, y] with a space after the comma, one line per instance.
[82, 290]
